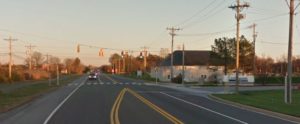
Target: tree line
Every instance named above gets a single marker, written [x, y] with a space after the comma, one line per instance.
[129, 63]
[225, 48]
[43, 66]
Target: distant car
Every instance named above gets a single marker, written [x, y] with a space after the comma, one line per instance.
[92, 76]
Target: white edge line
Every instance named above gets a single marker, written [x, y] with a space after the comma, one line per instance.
[204, 108]
[257, 112]
[58, 107]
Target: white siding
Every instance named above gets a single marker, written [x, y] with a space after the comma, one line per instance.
[192, 73]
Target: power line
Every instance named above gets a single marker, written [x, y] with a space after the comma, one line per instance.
[214, 11]
[266, 18]
[205, 34]
[23, 42]
[196, 14]
[264, 10]
[158, 37]
[277, 43]
[213, 33]
[18, 56]
[287, 3]
[297, 6]
[298, 30]
[32, 35]
[114, 49]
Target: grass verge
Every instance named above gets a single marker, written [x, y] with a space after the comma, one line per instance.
[272, 100]
[25, 94]
[145, 77]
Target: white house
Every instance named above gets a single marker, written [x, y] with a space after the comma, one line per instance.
[199, 67]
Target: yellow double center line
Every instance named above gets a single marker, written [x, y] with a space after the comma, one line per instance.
[114, 115]
[156, 108]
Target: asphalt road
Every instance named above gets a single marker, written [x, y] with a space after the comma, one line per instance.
[114, 100]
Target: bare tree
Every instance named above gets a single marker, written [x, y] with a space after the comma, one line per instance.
[68, 64]
[54, 60]
[37, 59]
[77, 67]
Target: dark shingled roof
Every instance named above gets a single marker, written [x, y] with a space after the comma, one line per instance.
[192, 58]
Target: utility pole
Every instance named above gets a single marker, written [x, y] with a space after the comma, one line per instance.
[130, 63]
[183, 64]
[226, 58]
[57, 74]
[124, 61]
[48, 69]
[238, 7]
[10, 56]
[119, 66]
[172, 33]
[124, 64]
[114, 67]
[254, 54]
[288, 87]
[30, 58]
[145, 56]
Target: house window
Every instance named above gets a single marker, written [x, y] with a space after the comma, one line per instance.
[169, 76]
[203, 76]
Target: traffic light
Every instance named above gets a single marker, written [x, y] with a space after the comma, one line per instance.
[78, 48]
[101, 53]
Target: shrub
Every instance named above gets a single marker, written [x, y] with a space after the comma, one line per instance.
[273, 80]
[37, 75]
[3, 79]
[16, 77]
[177, 79]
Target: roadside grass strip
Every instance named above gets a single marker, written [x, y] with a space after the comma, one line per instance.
[114, 114]
[23, 95]
[272, 100]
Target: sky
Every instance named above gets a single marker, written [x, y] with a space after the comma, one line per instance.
[55, 27]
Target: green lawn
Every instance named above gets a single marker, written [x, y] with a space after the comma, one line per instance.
[22, 95]
[145, 77]
[274, 80]
[271, 100]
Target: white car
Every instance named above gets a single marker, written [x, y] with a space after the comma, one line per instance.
[92, 76]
